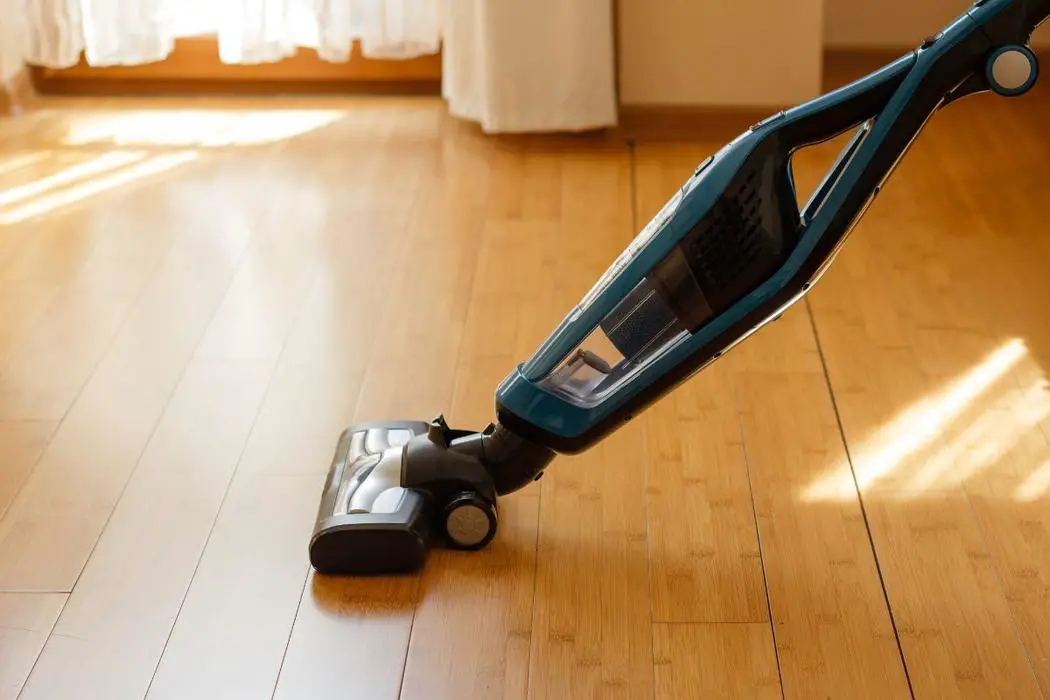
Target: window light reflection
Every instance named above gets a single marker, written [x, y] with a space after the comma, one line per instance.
[1036, 485]
[196, 127]
[43, 205]
[94, 166]
[916, 428]
[21, 161]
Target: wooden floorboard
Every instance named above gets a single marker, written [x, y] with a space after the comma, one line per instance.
[410, 375]
[21, 444]
[196, 299]
[941, 396]
[715, 660]
[816, 574]
[592, 555]
[113, 629]
[514, 255]
[26, 620]
[700, 514]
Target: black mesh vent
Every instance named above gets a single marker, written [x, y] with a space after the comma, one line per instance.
[733, 249]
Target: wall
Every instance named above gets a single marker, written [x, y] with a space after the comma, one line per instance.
[763, 52]
[711, 52]
[895, 24]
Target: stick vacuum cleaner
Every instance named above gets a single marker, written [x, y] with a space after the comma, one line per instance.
[730, 252]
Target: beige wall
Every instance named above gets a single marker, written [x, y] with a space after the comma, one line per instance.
[713, 52]
[762, 52]
[895, 23]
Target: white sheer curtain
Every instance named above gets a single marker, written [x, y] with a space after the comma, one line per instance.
[529, 65]
[533, 65]
[133, 32]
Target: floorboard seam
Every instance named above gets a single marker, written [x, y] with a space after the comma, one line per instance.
[998, 575]
[262, 404]
[47, 638]
[758, 538]
[229, 483]
[632, 152]
[860, 496]
[455, 386]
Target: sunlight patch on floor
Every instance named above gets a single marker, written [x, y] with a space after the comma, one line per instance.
[994, 434]
[931, 420]
[110, 149]
[24, 160]
[1036, 485]
[80, 171]
[199, 128]
[141, 168]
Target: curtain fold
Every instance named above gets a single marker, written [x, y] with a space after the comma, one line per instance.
[12, 33]
[126, 32]
[540, 65]
[51, 33]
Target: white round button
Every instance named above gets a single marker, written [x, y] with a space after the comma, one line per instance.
[1012, 69]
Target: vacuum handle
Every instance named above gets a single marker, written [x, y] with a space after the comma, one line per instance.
[841, 110]
[1001, 22]
[957, 62]
[1010, 21]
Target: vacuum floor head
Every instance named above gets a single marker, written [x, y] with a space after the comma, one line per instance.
[368, 522]
[394, 489]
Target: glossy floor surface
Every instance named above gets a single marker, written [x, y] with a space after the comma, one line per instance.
[196, 298]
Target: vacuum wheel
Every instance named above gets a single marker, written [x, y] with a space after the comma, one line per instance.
[470, 521]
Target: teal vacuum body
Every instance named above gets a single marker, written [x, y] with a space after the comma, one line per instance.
[728, 253]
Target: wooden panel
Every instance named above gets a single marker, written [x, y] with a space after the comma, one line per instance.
[717, 661]
[932, 325]
[21, 305]
[480, 648]
[232, 629]
[833, 631]
[26, 620]
[926, 374]
[112, 631]
[312, 399]
[97, 271]
[701, 519]
[939, 573]
[503, 325]
[400, 381]
[1006, 465]
[50, 529]
[592, 560]
[114, 628]
[44, 355]
[592, 556]
[397, 368]
[194, 65]
[21, 444]
[198, 58]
